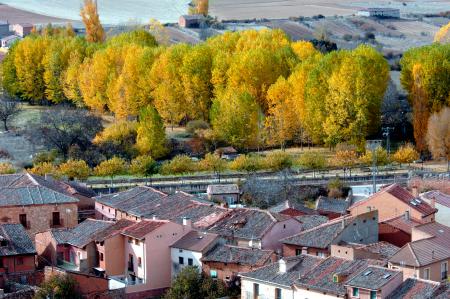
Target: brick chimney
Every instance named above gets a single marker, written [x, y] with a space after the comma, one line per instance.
[433, 202]
[406, 215]
[187, 222]
[415, 191]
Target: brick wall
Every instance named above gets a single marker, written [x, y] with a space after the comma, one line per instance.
[39, 216]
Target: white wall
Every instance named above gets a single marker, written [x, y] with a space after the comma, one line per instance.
[443, 214]
[304, 294]
[266, 291]
[186, 254]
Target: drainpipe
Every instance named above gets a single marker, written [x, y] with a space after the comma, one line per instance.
[144, 260]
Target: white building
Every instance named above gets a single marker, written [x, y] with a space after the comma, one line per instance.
[190, 249]
[441, 202]
[7, 41]
[379, 12]
[276, 280]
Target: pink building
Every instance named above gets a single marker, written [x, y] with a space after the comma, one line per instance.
[148, 256]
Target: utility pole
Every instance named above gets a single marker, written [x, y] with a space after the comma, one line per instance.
[387, 133]
[372, 145]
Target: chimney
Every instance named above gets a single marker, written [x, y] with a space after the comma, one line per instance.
[406, 215]
[282, 266]
[286, 204]
[154, 217]
[187, 222]
[49, 177]
[369, 209]
[343, 222]
[433, 202]
[415, 191]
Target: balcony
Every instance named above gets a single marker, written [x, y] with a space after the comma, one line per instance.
[128, 280]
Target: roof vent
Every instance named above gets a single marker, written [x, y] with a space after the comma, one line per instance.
[282, 266]
[386, 276]
[367, 273]
[418, 200]
[413, 203]
[441, 231]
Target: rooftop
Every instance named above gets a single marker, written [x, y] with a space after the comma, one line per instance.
[321, 236]
[195, 241]
[332, 205]
[32, 195]
[311, 221]
[384, 249]
[238, 255]
[223, 189]
[82, 234]
[292, 204]
[17, 240]
[296, 267]
[321, 277]
[140, 229]
[438, 196]
[244, 223]
[403, 223]
[421, 253]
[113, 230]
[414, 289]
[403, 195]
[372, 278]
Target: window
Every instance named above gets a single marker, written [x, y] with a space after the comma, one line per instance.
[130, 240]
[284, 225]
[355, 292]
[255, 290]
[1, 263]
[3, 243]
[444, 270]
[136, 241]
[181, 260]
[23, 220]
[139, 262]
[55, 218]
[298, 251]
[130, 263]
[180, 250]
[426, 273]
[373, 294]
[277, 293]
[19, 261]
[213, 273]
[190, 262]
[101, 256]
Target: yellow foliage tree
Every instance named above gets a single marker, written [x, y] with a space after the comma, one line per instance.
[406, 154]
[45, 168]
[381, 157]
[345, 158]
[112, 167]
[7, 168]
[443, 35]
[202, 7]
[438, 135]
[75, 169]
[304, 49]
[94, 29]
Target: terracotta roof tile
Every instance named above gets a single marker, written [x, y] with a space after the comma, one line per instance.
[140, 229]
[414, 289]
[195, 241]
[403, 224]
[439, 197]
[238, 255]
[17, 240]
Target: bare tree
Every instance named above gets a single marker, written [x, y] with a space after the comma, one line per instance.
[438, 135]
[63, 127]
[8, 110]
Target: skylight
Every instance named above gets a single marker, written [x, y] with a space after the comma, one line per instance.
[367, 272]
[386, 276]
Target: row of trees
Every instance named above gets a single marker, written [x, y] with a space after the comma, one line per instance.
[275, 161]
[254, 88]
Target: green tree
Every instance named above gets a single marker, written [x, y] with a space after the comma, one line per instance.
[278, 161]
[312, 161]
[249, 163]
[235, 119]
[151, 134]
[112, 167]
[213, 162]
[143, 166]
[75, 169]
[59, 287]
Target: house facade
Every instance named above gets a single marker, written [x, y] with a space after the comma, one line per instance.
[17, 252]
[441, 202]
[393, 201]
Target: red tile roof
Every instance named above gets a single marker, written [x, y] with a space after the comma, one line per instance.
[438, 196]
[403, 224]
[143, 228]
[403, 195]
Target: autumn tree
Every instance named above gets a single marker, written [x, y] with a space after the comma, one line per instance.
[45, 168]
[249, 163]
[202, 7]
[180, 164]
[235, 119]
[213, 162]
[438, 135]
[381, 157]
[425, 76]
[406, 154]
[112, 167]
[94, 29]
[143, 166]
[120, 136]
[59, 287]
[7, 168]
[278, 161]
[75, 169]
[312, 160]
[151, 135]
[443, 35]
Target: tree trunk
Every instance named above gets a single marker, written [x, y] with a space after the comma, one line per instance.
[5, 125]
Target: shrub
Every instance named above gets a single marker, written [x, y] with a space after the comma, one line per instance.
[143, 166]
[75, 169]
[193, 126]
[248, 163]
[381, 155]
[112, 167]
[45, 168]
[278, 161]
[7, 168]
[345, 158]
[48, 156]
[178, 165]
[58, 287]
[212, 162]
[406, 154]
[312, 161]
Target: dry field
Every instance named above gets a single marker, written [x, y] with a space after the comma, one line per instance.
[13, 16]
[282, 9]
